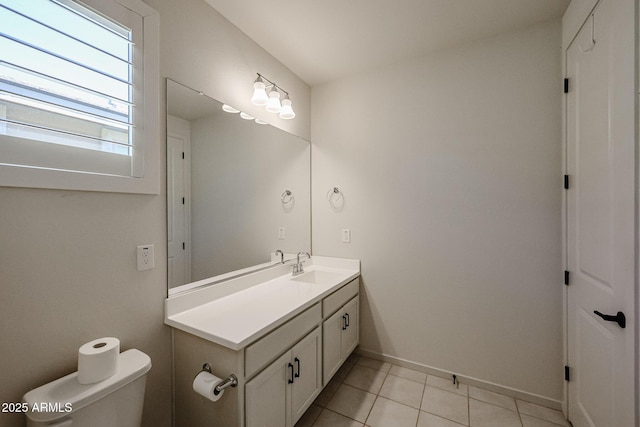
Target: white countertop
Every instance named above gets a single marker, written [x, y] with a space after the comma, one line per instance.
[242, 310]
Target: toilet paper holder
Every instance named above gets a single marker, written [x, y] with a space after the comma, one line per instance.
[230, 381]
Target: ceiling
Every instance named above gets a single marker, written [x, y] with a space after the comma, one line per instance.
[322, 40]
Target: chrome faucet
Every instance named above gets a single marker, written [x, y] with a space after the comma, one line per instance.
[297, 267]
[281, 256]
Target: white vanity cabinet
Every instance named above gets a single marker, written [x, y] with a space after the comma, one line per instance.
[283, 337]
[340, 331]
[280, 394]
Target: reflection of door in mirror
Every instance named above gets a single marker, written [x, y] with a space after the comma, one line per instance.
[178, 201]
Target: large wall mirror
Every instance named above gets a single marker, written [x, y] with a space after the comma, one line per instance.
[237, 191]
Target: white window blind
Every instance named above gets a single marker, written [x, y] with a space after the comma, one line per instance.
[72, 87]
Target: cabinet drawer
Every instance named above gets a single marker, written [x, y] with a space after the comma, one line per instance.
[340, 297]
[272, 345]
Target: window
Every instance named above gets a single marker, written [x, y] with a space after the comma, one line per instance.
[79, 95]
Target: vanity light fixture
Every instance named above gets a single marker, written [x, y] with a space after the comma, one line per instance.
[272, 100]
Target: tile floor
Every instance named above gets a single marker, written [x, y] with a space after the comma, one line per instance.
[367, 392]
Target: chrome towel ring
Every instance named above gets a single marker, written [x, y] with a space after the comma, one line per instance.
[286, 197]
[334, 195]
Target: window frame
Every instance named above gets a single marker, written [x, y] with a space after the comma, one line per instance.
[145, 176]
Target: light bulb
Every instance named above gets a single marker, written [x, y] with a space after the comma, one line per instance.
[259, 93]
[286, 112]
[273, 105]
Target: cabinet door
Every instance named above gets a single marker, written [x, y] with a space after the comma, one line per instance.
[332, 347]
[307, 382]
[350, 333]
[267, 395]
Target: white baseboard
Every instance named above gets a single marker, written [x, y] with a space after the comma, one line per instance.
[507, 391]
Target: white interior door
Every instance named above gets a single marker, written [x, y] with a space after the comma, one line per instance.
[178, 216]
[601, 255]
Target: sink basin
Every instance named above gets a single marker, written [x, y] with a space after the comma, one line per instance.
[319, 277]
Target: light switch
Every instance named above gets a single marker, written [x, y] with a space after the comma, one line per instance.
[346, 235]
[281, 233]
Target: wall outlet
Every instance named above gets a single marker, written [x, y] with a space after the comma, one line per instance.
[346, 235]
[145, 257]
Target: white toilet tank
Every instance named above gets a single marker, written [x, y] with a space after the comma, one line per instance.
[114, 402]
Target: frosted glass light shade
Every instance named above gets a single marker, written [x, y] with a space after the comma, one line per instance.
[230, 109]
[246, 116]
[273, 104]
[286, 112]
[259, 94]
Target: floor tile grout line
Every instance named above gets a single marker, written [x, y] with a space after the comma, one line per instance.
[542, 419]
[342, 415]
[376, 399]
[496, 405]
[370, 410]
[468, 407]
[443, 417]
[518, 412]
[420, 405]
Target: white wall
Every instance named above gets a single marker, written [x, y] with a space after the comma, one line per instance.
[68, 276]
[450, 167]
[67, 258]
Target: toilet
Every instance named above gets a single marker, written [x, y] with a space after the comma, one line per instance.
[114, 402]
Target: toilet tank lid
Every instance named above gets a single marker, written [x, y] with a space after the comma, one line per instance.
[64, 395]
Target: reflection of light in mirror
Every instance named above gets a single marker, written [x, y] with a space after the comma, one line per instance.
[229, 109]
[261, 122]
[246, 116]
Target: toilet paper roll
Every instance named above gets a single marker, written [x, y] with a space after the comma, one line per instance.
[205, 385]
[98, 360]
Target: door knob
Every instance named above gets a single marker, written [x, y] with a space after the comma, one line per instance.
[619, 318]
